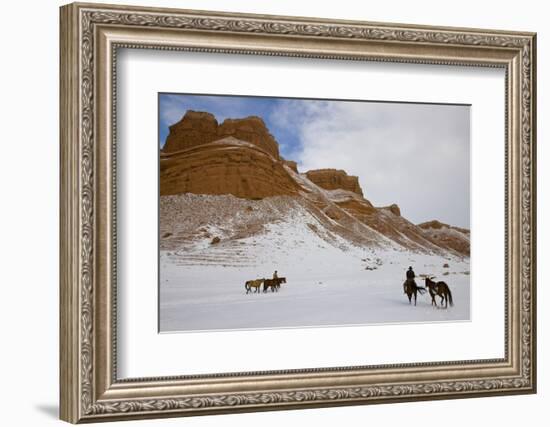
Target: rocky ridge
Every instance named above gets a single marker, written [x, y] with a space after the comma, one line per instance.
[447, 235]
[241, 158]
[197, 128]
[334, 179]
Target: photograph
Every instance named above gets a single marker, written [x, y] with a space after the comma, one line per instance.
[267, 210]
[279, 212]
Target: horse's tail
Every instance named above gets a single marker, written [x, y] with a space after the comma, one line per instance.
[247, 286]
[450, 296]
[421, 289]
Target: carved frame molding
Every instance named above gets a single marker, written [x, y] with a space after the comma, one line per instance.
[90, 36]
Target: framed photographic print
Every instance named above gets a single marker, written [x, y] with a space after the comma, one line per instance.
[265, 212]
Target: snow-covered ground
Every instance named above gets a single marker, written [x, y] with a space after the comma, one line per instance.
[330, 282]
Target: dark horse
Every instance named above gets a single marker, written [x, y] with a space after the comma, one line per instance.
[440, 289]
[411, 288]
[274, 284]
[280, 280]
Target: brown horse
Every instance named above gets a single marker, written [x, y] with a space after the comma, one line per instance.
[270, 283]
[274, 284]
[440, 289]
[279, 281]
[253, 284]
[411, 288]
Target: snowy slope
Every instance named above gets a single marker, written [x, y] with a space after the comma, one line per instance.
[331, 280]
[344, 259]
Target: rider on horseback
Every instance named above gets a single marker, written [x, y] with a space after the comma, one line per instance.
[410, 277]
[410, 287]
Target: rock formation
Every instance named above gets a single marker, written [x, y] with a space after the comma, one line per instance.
[291, 164]
[240, 158]
[333, 179]
[437, 225]
[194, 128]
[448, 236]
[226, 166]
[394, 209]
[198, 128]
[251, 129]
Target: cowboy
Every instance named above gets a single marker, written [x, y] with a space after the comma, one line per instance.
[410, 274]
[275, 275]
[410, 277]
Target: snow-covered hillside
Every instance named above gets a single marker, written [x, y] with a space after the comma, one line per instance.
[233, 210]
[331, 280]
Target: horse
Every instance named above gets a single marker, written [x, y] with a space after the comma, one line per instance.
[440, 289]
[279, 281]
[411, 288]
[253, 284]
[274, 284]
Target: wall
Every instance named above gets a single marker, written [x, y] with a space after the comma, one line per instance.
[29, 170]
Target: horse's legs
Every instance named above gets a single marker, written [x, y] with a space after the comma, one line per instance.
[410, 297]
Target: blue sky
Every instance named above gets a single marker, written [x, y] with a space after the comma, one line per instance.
[415, 155]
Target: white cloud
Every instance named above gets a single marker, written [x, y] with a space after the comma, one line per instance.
[172, 109]
[415, 155]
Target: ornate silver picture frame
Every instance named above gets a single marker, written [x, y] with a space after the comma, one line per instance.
[91, 37]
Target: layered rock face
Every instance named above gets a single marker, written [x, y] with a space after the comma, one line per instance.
[291, 164]
[333, 179]
[195, 128]
[437, 225]
[226, 166]
[241, 158]
[385, 220]
[198, 128]
[394, 209]
[447, 235]
[238, 157]
[251, 129]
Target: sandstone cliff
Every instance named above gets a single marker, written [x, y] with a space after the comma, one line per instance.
[197, 128]
[225, 166]
[437, 225]
[447, 235]
[333, 179]
[240, 158]
[394, 209]
[291, 164]
[387, 221]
